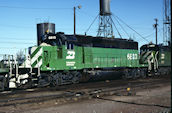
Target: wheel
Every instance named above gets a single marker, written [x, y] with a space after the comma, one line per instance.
[143, 73]
[76, 77]
[134, 74]
[2, 84]
[125, 74]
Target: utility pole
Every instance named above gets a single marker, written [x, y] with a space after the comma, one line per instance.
[74, 21]
[156, 30]
[74, 9]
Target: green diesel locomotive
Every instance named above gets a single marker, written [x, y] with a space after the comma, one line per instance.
[64, 59]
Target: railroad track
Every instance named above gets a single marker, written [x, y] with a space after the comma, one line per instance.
[70, 87]
[85, 92]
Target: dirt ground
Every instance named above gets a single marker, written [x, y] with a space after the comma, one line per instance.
[154, 100]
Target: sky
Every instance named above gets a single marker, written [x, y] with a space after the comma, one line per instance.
[18, 19]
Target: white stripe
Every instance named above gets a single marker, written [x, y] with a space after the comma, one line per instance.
[39, 53]
[150, 58]
[33, 49]
[39, 63]
[146, 55]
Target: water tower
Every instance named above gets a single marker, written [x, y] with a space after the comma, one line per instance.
[105, 21]
[167, 22]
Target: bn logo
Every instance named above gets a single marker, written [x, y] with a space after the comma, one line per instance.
[70, 55]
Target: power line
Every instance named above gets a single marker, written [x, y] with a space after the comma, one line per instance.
[83, 12]
[9, 48]
[122, 28]
[33, 8]
[116, 28]
[152, 33]
[17, 43]
[149, 35]
[131, 28]
[4, 38]
[16, 26]
[34, 27]
[91, 24]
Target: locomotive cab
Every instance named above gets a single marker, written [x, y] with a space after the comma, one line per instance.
[149, 55]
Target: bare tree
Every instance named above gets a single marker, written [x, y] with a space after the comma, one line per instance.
[20, 57]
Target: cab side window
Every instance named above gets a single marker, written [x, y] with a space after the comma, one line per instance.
[70, 46]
